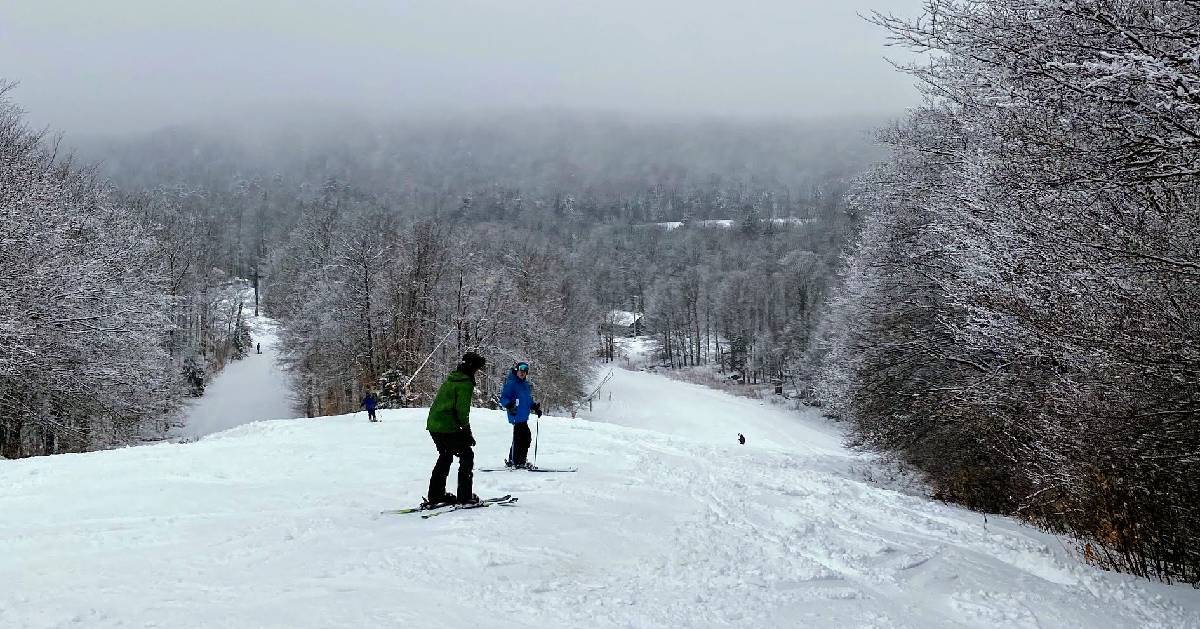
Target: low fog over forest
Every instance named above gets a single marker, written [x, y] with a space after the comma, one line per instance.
[333, 209]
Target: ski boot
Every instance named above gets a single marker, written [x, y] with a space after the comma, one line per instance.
[446, 499]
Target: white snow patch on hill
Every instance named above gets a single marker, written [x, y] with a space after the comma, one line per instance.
[725, 223]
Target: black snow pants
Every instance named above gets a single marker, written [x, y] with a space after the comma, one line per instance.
[520, 446]
[450, 445]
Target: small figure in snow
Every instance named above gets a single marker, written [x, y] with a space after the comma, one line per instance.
[741, 438]
[258, 348]
[369, 403]
[450, 427]
[517, 398]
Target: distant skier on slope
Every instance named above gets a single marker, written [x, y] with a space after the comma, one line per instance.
[517, 398]
[741, 438]
[370, 402]
[450, 427]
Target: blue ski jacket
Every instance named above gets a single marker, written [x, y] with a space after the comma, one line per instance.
[369, 402]
[521, 392]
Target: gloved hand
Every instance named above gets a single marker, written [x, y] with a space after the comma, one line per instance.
[470, 438]
[536, 408]
[512, 406]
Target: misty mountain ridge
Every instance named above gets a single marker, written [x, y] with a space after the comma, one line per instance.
[540, 151]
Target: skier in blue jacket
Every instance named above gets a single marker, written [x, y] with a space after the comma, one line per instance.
[517, 398]
[369, 403]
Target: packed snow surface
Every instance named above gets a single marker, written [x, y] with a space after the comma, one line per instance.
[247, 390]
[669, 522]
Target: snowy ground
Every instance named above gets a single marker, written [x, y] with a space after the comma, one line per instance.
[636, 399]
[668, 523]
[247, 390]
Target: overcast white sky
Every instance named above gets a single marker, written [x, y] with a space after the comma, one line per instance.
[120, 65]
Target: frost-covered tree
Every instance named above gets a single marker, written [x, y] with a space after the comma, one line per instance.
[1052, 253]
[82, 321]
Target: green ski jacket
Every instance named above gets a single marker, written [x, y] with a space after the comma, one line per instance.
[451, 408]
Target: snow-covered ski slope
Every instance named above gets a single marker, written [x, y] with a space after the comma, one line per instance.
[640, 400]
[251, 389]
[668, 523]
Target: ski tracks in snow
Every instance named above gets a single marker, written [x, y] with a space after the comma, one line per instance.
[277, 524]
[789, 533]
[762, 537]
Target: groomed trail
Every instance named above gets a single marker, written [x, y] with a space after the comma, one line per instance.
[247, 390]
[669, 523]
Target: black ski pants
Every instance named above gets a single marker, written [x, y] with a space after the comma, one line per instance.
[450, 445]
[521, 441]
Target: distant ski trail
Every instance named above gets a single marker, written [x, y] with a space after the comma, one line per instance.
[247, 390]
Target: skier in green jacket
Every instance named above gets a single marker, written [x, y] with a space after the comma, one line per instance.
[449, 425]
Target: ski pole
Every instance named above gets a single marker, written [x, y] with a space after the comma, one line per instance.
[537, 428]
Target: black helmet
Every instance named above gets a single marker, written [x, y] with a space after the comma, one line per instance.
[473, 361]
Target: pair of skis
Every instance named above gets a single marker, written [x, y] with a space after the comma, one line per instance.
[527, 469]
[429, 511]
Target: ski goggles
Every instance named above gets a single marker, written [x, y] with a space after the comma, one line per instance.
[522, 366]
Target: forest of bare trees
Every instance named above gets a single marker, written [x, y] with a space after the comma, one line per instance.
[108, 304]
[387, 249]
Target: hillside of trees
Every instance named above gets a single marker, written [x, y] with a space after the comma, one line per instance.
[113, 309]
[388, 248]
[1020, 318]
